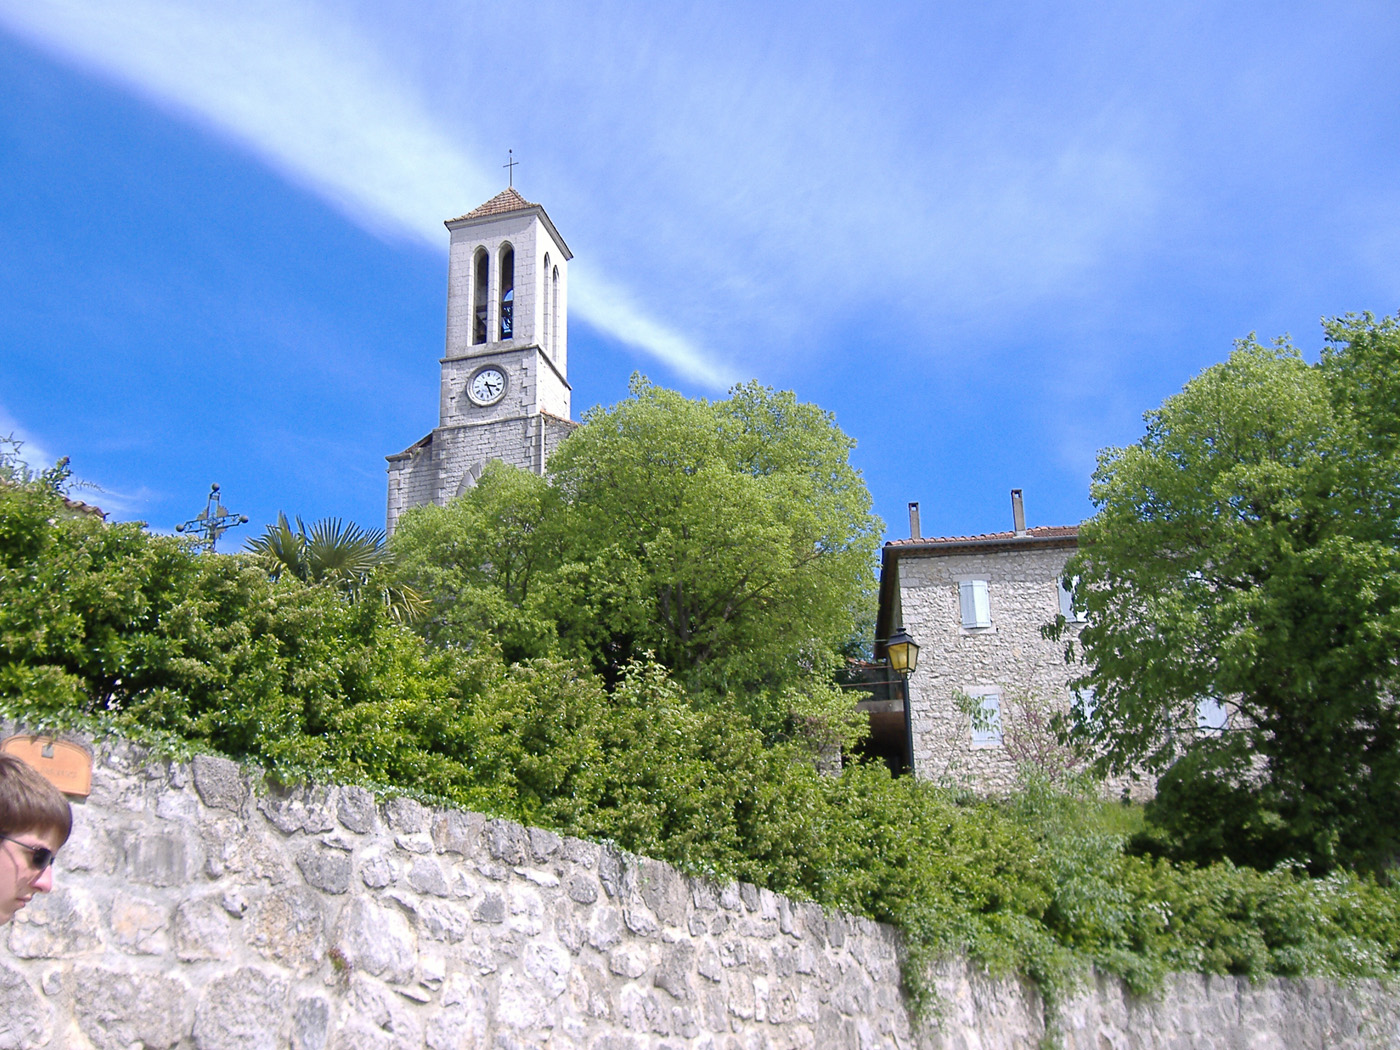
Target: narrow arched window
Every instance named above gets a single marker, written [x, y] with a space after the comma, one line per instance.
[507, 292]
[481, 284]
[546, 319]
[554, 305]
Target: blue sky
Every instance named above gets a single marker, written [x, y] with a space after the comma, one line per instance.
[987, 237]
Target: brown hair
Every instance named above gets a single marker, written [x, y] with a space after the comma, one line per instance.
[28, 802]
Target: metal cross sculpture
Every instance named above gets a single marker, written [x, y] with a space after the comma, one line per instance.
[211, 523]
[510, 165]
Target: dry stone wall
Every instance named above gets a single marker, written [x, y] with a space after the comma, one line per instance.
[192, 911]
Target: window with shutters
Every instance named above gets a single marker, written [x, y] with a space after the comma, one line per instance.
[1211, 715]
[1067, 608]
[986, 718]
[975, 604]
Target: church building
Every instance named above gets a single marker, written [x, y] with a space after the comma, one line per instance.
[504, 390]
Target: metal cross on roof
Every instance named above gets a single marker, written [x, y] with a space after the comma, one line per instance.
[211, 523]
[510, 166]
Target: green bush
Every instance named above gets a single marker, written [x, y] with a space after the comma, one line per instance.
[134, 633]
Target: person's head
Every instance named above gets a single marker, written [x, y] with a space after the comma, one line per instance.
[35, 820]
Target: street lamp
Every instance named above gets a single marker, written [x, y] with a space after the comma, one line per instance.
[903, 655]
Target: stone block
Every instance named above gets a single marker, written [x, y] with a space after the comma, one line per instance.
[202, 930]
[665, 890]
[153, 857]
[491, 908]
[457, 832]
[376, 940]
[25, 1019]
[674, 972]
[612, 871]
[374, 1002]
[581, 888]
[425, 875]
[242, 1010]
[311, 1019]
[288, 926]
[406, 816]
[303, 809]
[543, 844]
[376, 871]
[526, 992]
[118, 1009]
[463, 1020]
[219, 782]
[357, 810]
[139, 926]
[57, 925]
[326, 869]
[507, 842]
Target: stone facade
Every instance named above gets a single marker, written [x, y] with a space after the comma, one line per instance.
[1006, 665]
[194, 912]
[528, 419]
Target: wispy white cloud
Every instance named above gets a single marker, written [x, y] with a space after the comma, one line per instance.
[35, 454]
[771, 188]
[315, 101]
[29, 450]
[607, 307]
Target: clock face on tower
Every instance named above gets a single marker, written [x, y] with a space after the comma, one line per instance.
[487, 386]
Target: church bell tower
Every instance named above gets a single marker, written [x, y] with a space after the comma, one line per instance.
[504, 390]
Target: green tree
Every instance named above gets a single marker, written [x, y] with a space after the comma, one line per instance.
[1245, 551]
[339, 555]
[478, 560]
[730, 541]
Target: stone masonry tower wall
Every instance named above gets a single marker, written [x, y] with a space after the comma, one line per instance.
[503, 392]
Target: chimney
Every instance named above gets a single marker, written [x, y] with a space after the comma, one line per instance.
[914, 533]
[1018, 512]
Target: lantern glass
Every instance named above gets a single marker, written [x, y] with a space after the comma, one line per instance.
[902, 652]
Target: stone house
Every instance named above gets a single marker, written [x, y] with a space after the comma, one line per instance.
[975, 605]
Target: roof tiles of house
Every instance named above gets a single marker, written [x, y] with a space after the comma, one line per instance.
[1039, 534]
[505, 201]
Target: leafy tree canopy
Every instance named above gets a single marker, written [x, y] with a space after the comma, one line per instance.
[1247, 550]
[731, 541]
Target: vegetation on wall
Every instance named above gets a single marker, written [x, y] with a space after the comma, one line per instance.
[110, 627]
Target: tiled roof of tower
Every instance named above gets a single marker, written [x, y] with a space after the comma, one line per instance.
[505, 201]
[1040, 532]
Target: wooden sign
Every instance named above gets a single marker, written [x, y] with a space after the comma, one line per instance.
[67, 767]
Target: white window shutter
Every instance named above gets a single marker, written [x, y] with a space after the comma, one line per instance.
[988, 734]
[968, 600]
[976, 608]
[1066, 600]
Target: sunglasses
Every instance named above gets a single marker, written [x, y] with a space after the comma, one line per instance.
[41, 856]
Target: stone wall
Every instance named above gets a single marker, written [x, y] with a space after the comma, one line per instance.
[193, 912]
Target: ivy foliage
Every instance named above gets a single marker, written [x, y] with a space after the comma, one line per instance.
[118, 629]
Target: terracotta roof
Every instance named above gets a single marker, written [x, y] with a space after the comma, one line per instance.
[1041, 532]
[505, 201]
[77, 506]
